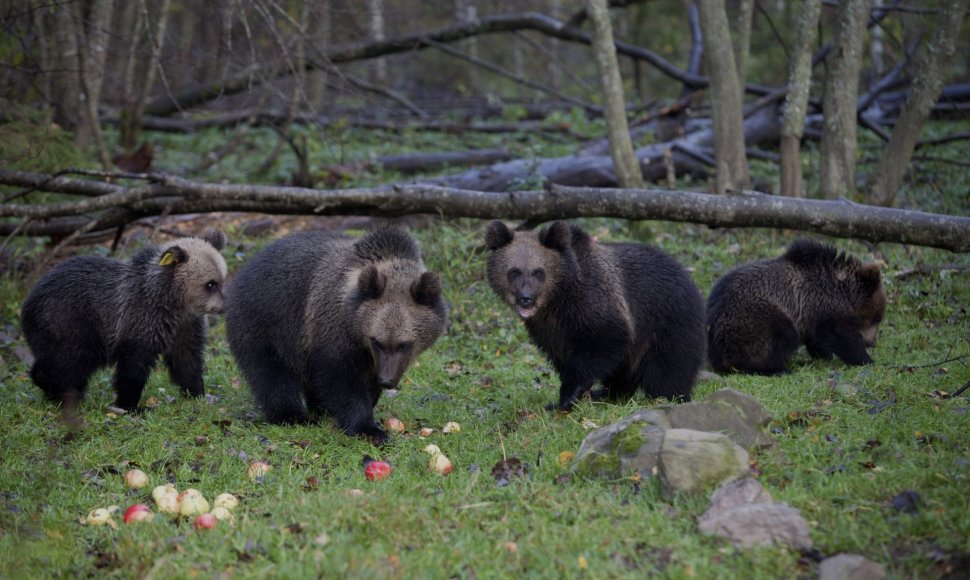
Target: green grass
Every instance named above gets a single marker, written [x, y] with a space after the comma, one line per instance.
[849, 440]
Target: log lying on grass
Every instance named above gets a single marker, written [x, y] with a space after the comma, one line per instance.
[174, 195]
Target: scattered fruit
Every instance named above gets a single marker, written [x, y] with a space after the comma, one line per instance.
[168, 502]
[139, 512]
[354, 492]
[206, 521]
[99, 517]
[432, 449]
[222, 513]
[451, 427]
[440, 464]
[395, 425]
[377, 470]
[426, 432]
[226, 500]
[258, 469]
[192, 502]
[136, 479]
[163, 490]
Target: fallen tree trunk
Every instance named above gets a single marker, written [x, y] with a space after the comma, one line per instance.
[174, 195]
[259, 118]
[428, 161]
[596, 170]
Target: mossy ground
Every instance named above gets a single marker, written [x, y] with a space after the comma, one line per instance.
[850, 440]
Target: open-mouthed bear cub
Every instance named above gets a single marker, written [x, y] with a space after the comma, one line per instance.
[89, 312]
[325, 322]
[759, 313]
[626, 315]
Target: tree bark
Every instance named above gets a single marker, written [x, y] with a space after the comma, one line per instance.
[95, 40]
[621, 147]
[138, 96]
[838, 150]
[742, 40]
[375, 13]
[176, 195]
[65, 85]
[889, 174]
[732, 165]
[796, 103]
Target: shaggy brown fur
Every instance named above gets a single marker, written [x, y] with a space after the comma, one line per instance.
[89, 312]
[326, 322]
[759, 313]
[627, 315]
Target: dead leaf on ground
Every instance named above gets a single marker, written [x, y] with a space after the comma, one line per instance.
[507, 469]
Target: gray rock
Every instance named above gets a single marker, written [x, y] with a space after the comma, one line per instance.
[630, 445]
[850, 567]
[696, 461]
[726, 411]
[759, 524]
[744, 491]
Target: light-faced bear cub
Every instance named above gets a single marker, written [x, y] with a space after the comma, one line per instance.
[89, 312]
[759, 313]
[325, 322]
[627, 315]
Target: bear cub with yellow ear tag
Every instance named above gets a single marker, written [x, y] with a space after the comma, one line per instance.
[89, 312]
[760, 312]
[321, 323]
[626, 315]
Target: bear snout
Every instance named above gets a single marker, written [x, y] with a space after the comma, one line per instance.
[525, 300]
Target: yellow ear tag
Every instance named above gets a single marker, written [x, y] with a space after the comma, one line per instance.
[168, 258]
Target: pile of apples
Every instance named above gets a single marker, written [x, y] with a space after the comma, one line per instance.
[189, 504]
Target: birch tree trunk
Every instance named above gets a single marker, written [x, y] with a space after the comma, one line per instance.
[320, 39]
[375, 10]
[889, 174]
[621, 147]
[796, 102]
[839, 138]
[725, 97]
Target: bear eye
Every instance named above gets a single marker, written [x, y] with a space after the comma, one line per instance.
[539, 274]
[376, 344]
[514, 273]
[404, 347]
[211, 285]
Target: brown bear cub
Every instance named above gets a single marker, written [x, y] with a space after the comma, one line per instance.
[627, 315]
[322, 322]
[89, 312]
[759, 313]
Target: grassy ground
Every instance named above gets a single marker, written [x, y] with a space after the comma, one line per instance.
[850, 441]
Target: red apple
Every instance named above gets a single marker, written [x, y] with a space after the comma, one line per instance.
[206, 521]
[376, 470]
[138, 513]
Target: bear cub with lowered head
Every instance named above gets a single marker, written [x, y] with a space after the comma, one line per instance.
[89, 312]
[759, 313]
[626, 315]
[322, 322]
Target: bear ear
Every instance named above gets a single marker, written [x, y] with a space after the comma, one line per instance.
[172, 256]
[426, 290]
[215, 238]
[497, 234]
[558, 236]
[371, 283]
[869, 275]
